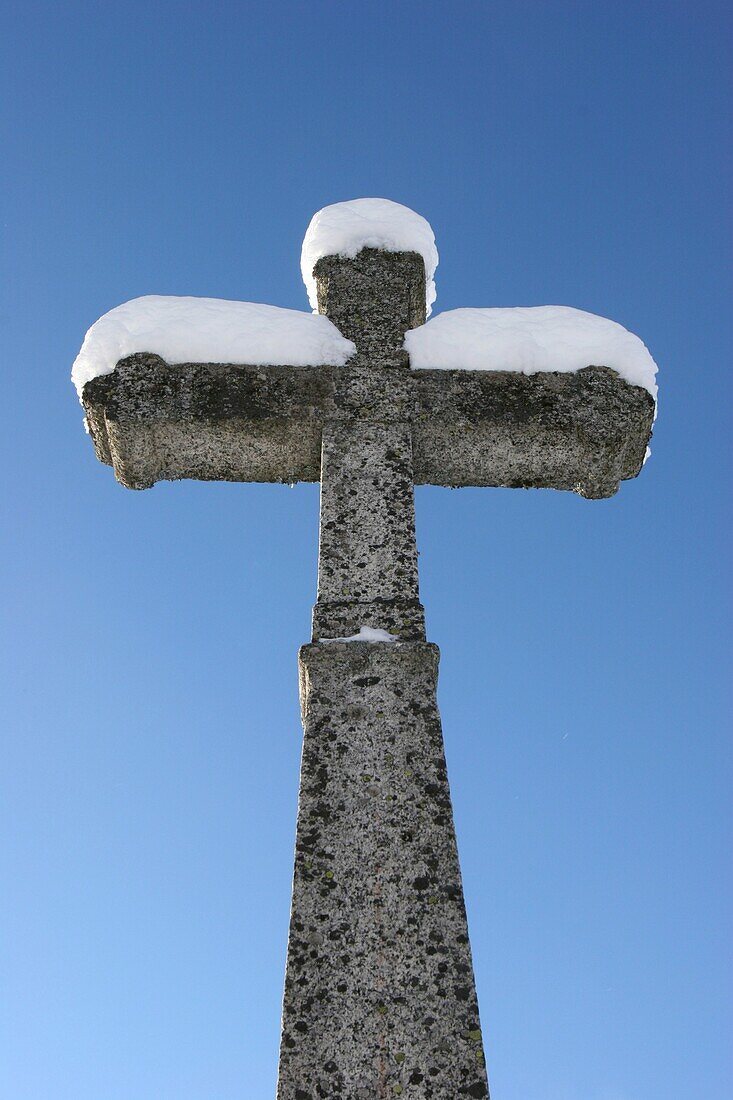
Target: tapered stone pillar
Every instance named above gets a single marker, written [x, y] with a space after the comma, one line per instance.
[380, 998]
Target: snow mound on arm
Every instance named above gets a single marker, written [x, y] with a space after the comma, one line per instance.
[530, 339]
[346, 227]
[209, 330]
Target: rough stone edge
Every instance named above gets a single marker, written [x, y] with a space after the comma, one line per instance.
[544, 393]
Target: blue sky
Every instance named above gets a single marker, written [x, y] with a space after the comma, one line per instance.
[564, 152]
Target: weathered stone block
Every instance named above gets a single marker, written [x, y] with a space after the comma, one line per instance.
[379, 997]
[374, 298]
[367, 559]
[583, 431]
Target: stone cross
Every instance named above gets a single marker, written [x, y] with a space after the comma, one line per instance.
[380, 999]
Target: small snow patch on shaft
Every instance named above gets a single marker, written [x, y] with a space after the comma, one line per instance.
[366, 634]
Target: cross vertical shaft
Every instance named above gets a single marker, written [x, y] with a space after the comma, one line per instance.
[379, 992]
[367, 561]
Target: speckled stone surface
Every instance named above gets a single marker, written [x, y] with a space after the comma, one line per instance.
[367, 573]
[376, 322]
[379, 995]
[380, 998]
[584, 432]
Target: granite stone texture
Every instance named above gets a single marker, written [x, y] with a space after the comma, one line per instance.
[583, 431]
[379, 994]
[380, 999]
[374, 298]
[367, 559]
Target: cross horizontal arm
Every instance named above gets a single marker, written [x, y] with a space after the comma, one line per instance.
[584, 431]
[208, 421]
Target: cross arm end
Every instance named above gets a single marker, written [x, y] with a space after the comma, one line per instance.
[152, 421]
[584, 431]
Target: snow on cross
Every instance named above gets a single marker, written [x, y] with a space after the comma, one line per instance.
[346, 227]
[530, 339]
[210, 330]
[379, 991]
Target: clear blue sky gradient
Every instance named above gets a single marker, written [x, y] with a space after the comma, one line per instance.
[564, 152]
